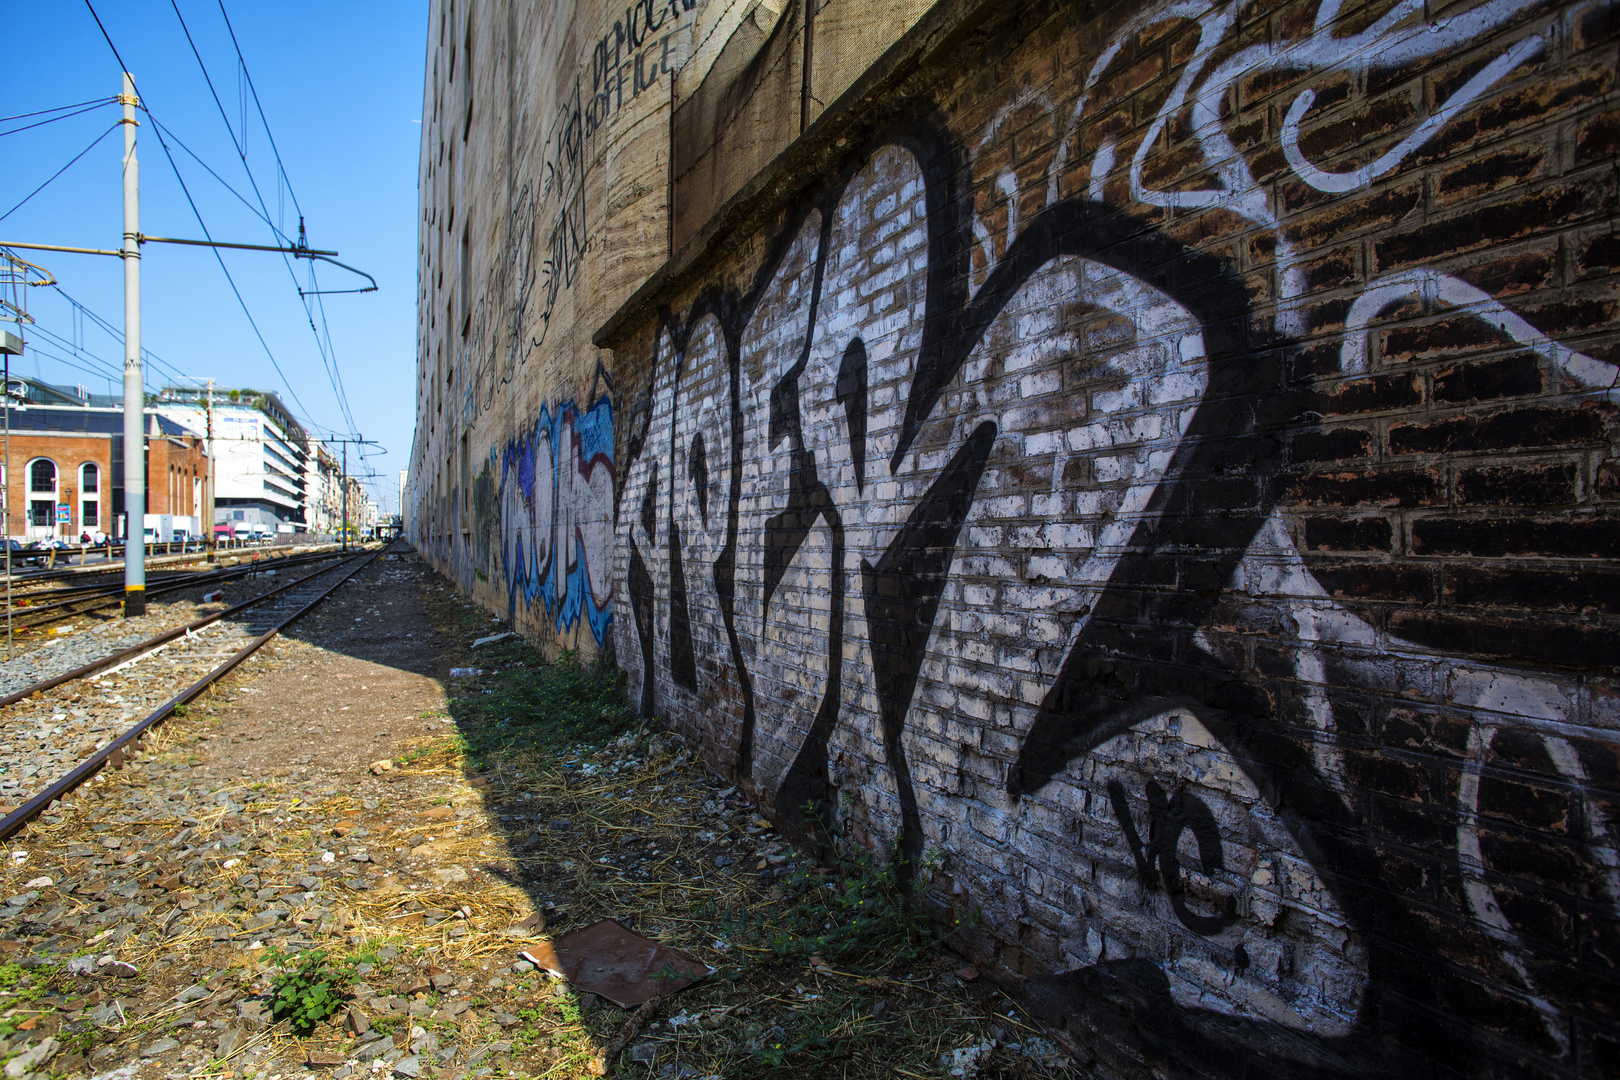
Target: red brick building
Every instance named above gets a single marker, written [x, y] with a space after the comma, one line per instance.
[63, 455]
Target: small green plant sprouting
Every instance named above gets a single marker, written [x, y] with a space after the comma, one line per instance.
[22, 987]
[308, 988]
[861, 912]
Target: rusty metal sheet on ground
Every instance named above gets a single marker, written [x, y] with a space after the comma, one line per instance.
[622, 966]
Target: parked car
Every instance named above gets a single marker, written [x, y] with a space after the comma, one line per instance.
[39, 551]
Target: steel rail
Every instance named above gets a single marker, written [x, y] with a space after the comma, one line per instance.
[180, 565]
[100, 596]
[82, 591]
[28, 618]
[68, 569]
[114, 659]
[115, 751]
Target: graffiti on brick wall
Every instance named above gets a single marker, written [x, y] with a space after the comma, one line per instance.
[1015, 528]
[497, 342]
[556, 517]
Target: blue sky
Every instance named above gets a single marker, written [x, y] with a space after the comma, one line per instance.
[341, 88]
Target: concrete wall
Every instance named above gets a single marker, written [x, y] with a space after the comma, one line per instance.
[543, 193]
[1151, 467]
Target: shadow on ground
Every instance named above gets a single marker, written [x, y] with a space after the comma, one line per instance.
[592, 813]
[344, 793]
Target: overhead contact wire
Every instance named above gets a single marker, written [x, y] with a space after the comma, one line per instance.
[41, 123]
[198, 215]
[328, 360]
[60, 171]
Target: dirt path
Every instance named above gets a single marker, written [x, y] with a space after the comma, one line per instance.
[144, 920]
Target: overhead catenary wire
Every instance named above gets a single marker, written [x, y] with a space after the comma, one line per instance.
[79, 353]
[328, 357]
[54, 119]
[38, 353]
[82, 353]
[80, 105]
[284, 179]
[197, 213]
[59, 172]
[111, 373]
[254, 91]
[281, 236]
[301, 412]
[117, 334]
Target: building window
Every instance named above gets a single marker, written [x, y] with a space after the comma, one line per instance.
[466, 484]
[464, 284]
[90, 496]
[42, 493]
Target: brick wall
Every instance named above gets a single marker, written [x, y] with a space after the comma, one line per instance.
[69, 453]
[172, 463]
[1153, 470]
[172, 466]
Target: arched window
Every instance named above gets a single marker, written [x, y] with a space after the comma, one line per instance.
[42, 494]
[89, 496]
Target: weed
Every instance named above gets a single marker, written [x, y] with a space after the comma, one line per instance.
[861, 912]
[540, 706]
[819, 1034]
[21, 987]
[308, 988]
[447, 744]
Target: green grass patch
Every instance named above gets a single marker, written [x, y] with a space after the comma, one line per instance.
[531, 705]
[21, 987]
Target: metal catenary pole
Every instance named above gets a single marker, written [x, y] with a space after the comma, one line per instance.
[5, 500]
[134, 383]
[208, 498]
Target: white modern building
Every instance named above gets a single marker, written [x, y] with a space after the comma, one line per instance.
[261, 454]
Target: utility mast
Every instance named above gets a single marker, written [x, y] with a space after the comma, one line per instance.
[208, 484]
[134, 381]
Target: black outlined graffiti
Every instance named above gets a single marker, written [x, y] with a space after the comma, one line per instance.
[522, 272]
[854, 477]
[682, 664]
[902, 598]
[852, 396]
[1140, 653]
[1157, 860]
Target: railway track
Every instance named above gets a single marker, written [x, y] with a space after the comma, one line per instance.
[44, 606]
[25, 572]
[82, 726]
[97, 575]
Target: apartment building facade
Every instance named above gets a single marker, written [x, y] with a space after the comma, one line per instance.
[262, 453]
